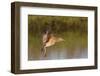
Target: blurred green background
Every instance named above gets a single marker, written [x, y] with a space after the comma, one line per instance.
[74, 30]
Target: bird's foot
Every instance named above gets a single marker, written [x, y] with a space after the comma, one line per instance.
[45, 55]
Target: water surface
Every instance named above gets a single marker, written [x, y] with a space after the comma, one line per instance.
[74, 47]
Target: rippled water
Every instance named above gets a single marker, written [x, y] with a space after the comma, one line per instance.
[54, 53]
[74, 47]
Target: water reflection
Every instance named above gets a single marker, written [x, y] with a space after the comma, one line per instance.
[75, 46]
[54, 53]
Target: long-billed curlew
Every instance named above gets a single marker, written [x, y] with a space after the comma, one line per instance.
[49, 40]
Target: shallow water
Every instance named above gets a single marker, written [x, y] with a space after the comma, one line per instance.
[54, 53]
[74, 47]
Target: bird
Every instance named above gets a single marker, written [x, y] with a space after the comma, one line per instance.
[48, 39]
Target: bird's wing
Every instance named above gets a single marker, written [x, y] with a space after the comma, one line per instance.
[46, 38]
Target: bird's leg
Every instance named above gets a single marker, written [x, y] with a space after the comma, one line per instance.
[42, 49]
[45, 51]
